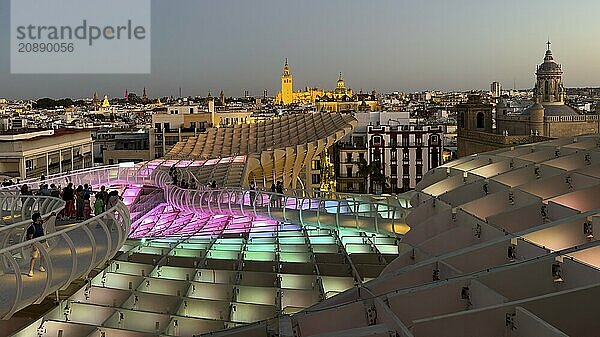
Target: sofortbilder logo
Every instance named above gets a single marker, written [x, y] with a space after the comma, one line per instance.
[80, 37]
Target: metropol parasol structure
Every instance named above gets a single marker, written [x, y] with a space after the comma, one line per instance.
[502, 243]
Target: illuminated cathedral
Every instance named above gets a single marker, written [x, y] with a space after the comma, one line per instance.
[340, 99]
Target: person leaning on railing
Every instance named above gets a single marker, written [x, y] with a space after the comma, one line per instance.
[34, 231]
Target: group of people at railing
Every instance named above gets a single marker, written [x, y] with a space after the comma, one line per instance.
[9, 182]
[78, 200]
[275, 200]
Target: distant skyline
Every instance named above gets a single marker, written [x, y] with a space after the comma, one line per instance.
[383, 45]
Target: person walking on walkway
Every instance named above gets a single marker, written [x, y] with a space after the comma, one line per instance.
[98, 204]
[79, 202]
[69, 198]
[279, 188]
[252, 193]
[35, 231]
[104, 196]
[87, 207]
[272, 196]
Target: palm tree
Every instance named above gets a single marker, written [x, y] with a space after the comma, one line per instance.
[373, 171]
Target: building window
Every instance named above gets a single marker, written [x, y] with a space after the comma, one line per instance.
[167, 126]
[191, 110]
[316, 179]
[376, 155]
[461, 120]
[419, 154]
[419, 171]
[405, 155]
[434, 158]
[394, 155]
[316, 165]
[349, 171]
[480, 120]
[406, 183]
[361, 157]
[419, 140]
[394, 169]
[405, 140]
[157, 126]
[377, 140]
[193, 125]
[349, 157]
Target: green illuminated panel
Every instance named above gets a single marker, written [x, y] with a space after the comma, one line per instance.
[222, 254]
[227, 246]
[321, 240]
[166, 245]
[358, 248]
[174, 273]
[271, 247]
[260, 256]
[318, 232]
[292, 240]
[388, 249]
[294, 257]
[354, 239]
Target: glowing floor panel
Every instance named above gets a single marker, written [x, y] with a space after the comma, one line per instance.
[183, 274]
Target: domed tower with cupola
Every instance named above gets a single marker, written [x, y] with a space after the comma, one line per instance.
[549, 88]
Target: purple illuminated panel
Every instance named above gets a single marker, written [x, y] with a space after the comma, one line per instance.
[167, 221]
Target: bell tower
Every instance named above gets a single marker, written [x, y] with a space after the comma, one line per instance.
[287, 87]
[549, 88]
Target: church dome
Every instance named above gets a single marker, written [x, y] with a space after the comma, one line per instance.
[549, 65]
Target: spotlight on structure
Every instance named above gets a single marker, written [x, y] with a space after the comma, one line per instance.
[588, 229]
[557, 272]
